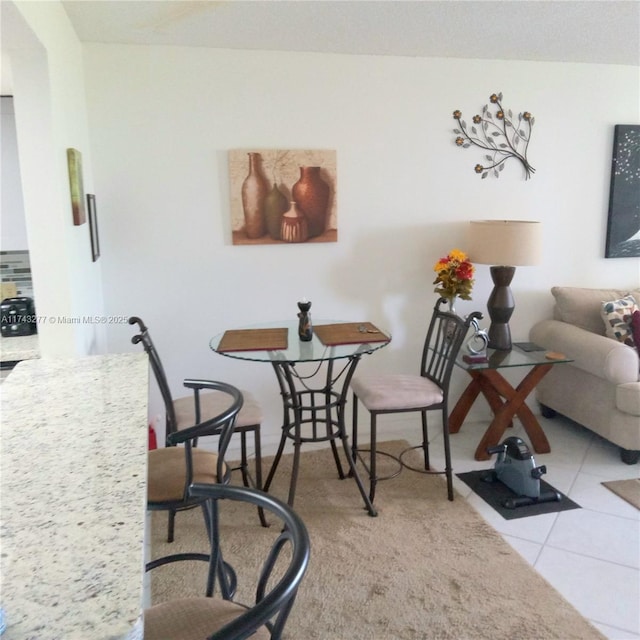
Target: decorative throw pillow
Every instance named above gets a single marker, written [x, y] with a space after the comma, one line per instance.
[617, 319]
[635, 328]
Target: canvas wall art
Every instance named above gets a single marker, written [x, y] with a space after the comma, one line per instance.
[623, 222]
[74, 162]
[282, 196]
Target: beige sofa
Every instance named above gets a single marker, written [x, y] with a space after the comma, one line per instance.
[601, 388]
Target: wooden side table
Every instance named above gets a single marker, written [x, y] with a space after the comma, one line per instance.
[505, 400]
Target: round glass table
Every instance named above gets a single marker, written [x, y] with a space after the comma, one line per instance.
[313, 377]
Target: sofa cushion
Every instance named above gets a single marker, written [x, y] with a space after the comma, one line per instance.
[617, 319]
[581, 307]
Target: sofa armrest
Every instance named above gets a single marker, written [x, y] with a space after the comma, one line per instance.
[593, 353]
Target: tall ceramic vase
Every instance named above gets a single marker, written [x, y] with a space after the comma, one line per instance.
[254, 193]
[311, 194]
[276, 204]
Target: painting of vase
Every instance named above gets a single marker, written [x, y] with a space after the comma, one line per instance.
[266, 185]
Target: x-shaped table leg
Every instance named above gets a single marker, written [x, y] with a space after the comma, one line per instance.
[494, 387]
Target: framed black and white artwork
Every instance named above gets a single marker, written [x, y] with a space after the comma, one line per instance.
[623, 221]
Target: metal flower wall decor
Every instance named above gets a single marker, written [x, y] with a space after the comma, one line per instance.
[498, 134]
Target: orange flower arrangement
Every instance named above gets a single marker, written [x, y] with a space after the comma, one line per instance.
[455, 276]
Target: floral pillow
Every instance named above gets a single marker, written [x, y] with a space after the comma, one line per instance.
[617, 316]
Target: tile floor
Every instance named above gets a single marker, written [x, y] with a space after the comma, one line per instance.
[590, 555]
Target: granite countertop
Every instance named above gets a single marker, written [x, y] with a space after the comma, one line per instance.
[17, 348]
[73, 441]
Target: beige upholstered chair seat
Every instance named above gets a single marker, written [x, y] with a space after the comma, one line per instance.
[396, 392]
[212, 403]
[166, 474]
[192, 619]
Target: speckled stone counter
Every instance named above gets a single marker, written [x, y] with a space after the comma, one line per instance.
[19, 348]
[73, 445]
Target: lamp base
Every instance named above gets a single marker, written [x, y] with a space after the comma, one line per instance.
[500, 307]
[500, 336]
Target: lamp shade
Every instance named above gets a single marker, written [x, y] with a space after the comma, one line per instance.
[511, 243]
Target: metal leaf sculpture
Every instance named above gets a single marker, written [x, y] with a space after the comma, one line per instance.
[498, 134]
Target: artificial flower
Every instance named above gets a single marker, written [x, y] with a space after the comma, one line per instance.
[455, 276]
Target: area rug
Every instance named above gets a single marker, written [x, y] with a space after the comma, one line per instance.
[424, 569]
[628, 490]
[496, 493]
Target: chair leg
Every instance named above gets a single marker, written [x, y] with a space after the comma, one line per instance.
[258, 462]
[208, 523]
[172, 525]
[227, 578]
[354, 434]
[447, 454]
[425, 440]
[243, 459]
[373, 478]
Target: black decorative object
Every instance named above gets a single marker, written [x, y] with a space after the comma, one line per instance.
[623, 222]
[305, 328]
[498, 134]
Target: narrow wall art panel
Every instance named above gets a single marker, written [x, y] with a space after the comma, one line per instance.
[74, 162]
[93, 226]
[281, 196]
[623, 222]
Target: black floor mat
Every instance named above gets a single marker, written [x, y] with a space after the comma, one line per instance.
[495, 493]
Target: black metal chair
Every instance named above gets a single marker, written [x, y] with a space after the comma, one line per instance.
[219, 617]
[171, 470]
[185, 412]
[423, 392]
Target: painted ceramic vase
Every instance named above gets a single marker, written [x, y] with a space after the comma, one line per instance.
[294, 225]
[254, 193]
[311, 194]
[275, 205]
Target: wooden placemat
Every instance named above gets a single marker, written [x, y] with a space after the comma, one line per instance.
[254, 340]
[349, 333]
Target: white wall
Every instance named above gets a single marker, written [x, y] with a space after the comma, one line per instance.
[162, 121]
[50, 112]
[13, 227]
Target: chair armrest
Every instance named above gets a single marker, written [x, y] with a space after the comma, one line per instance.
[214, 423]
[593, 353]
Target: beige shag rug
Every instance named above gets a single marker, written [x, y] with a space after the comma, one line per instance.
[425, 568]
[628, 490]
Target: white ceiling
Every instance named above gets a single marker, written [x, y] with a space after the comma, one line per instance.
[562, 30]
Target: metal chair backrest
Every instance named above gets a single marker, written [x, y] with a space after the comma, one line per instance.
[158, 371]
[221, 425]
[444, 339]
[275, 592]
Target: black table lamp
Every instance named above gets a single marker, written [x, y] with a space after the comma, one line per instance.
[507, 244]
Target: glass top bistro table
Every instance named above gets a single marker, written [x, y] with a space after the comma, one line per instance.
[314, 379]
[505, 400]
